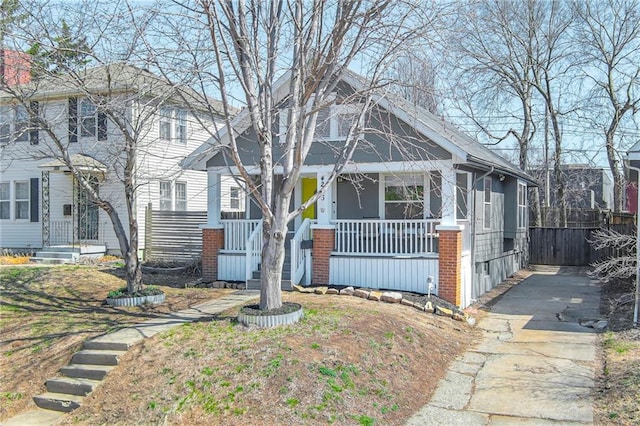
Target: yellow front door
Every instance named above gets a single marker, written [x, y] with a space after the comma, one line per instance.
[309, 187]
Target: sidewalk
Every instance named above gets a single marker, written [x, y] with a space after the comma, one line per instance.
[535, 364]
[127, 337]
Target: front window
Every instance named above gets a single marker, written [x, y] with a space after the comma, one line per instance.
[234, 198]
[181, 196]
[487, 203]
[404, 197]
[461, 196]
[14, 124]
[88, 119]
[22, 200]
[522, 206]
[166, 198]
[181, 126]
[165, 124]
[5, 200]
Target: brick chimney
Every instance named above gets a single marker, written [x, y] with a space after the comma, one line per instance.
[15, 67]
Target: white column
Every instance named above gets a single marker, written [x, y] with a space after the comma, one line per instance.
[325, 202]
[214, 205]
[449, 198]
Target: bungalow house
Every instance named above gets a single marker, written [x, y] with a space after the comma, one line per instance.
[419, 205]
[41, 204]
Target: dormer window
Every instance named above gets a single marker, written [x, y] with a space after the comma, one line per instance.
[334, 122]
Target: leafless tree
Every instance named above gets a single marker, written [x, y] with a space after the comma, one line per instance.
[126, 101]
[248, 46]
[608, 37]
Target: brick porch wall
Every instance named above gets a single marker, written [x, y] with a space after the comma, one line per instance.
[212, 242]
[323, 243]
[449, 273]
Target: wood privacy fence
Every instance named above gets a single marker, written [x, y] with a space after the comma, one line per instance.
[173, 236]
[568, 246]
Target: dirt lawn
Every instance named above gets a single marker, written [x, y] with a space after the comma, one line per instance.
[349, 361]
[47, 312]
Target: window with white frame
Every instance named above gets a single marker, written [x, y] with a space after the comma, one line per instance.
[22, 200]
[181, 126]
[173, 196]
[166, 195]
[404, 196]
[165, 124]
[181, 196]
[522, 205]
[5, 200]
[486, 223]
[332, 122]
[234, 198]
[173, 124]
[462, 209]
[88, 119]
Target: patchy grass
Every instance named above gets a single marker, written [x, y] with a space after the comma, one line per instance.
[618, 386]
[348, 361]
[47, 312]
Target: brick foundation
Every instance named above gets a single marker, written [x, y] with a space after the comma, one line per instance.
[323, 243]
[449, 271]
[212, 242]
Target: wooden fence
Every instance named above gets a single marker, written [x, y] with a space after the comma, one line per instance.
[173, 236]
[568, 246]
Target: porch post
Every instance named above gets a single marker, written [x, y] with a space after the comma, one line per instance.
[213, 231]
[449, 198]
[46, 210]
[323, 235]
[214, 203]
[449, 263]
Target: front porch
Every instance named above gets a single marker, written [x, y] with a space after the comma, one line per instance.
[387, 247]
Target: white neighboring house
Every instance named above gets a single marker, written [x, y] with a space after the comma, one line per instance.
[42, 205]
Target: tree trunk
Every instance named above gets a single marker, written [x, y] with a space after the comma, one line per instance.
[535, 207]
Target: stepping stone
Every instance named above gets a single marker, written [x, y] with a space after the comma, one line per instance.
[58, 401]
[71, 385]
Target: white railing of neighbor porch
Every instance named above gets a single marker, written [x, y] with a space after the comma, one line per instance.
[300, 257]
[253, 250]
[237, 233]
[386, 237]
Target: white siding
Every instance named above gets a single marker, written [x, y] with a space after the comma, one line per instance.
[231, 267]
[404, 274]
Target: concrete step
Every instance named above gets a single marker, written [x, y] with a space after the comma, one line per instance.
[86, 371]
[58, 401]
[97, 357]
[71, 385]
[50, 260]
[103, 343]
[57, 254]
[37, 417]
[254, 284]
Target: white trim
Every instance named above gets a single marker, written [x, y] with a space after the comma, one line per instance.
[388, 167]
[207, 226]
[449, 227]
[323, 226]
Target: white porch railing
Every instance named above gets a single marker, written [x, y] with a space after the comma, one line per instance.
[386, 237]
[237, 232]
[300, 258]
[253, 250]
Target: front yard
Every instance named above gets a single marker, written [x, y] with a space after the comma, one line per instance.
[349, 360]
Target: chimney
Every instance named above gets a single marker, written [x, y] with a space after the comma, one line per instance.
[15, 67]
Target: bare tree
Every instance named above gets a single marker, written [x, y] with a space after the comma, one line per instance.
[123, 101]
[608, 36]
[246, 47]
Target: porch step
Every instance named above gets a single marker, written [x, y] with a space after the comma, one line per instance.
[254, 284]
[57, 254]
[50, 260]
[71, 385]
[58, 401]
[86, 371]
[97, 357]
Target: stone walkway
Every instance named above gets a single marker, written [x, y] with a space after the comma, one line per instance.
[535, 364]
[125, 338]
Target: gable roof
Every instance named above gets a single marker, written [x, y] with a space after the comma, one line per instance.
[115, 79]
[434, 128]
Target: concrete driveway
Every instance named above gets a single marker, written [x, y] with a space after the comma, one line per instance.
[535, 364]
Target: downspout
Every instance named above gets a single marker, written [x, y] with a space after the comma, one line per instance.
[472, 222]
[637, 295]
